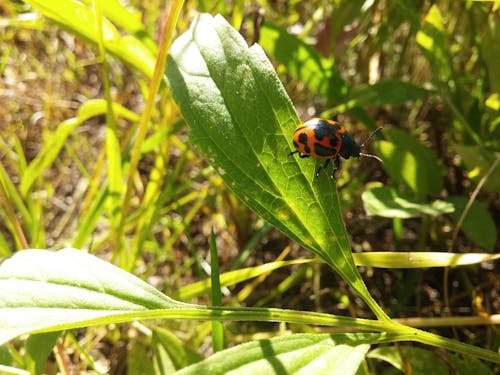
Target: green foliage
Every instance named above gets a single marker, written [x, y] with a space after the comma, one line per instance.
[387, 202]
[295, 354]
[477, 224]
[410, 164]
[427, 73]
[38, 347]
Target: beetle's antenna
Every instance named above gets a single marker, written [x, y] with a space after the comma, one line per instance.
[370, 137]
[366, 142]
[371, 156]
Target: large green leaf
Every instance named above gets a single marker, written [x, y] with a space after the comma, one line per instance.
[40, 289]
[294, 354]
[242, 121]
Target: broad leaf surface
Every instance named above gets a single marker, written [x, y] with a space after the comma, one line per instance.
[40, 289]
[292, 354]
[242, 121]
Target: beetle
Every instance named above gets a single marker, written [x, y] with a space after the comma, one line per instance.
[327, 139]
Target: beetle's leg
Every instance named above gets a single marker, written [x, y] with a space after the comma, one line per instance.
[302, 156]
[322, 166]
[336, 167]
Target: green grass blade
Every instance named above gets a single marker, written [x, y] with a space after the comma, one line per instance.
[203, 287]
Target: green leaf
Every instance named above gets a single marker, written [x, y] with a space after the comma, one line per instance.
[38, 347]
[170, 353]
[410, 163]
[139, 359]
[388, 202]
[421, 361]
[303, 62]
[41, 289]
[293, 354]
[389, 92]
[466, 365]
[242, 121]
[478, 160]
[79, 20]
[478, 224]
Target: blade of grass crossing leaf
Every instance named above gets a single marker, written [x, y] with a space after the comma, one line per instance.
[217, 327]
[230, 278]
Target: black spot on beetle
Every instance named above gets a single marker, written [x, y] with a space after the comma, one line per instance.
[334, 141]
[323, 151]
